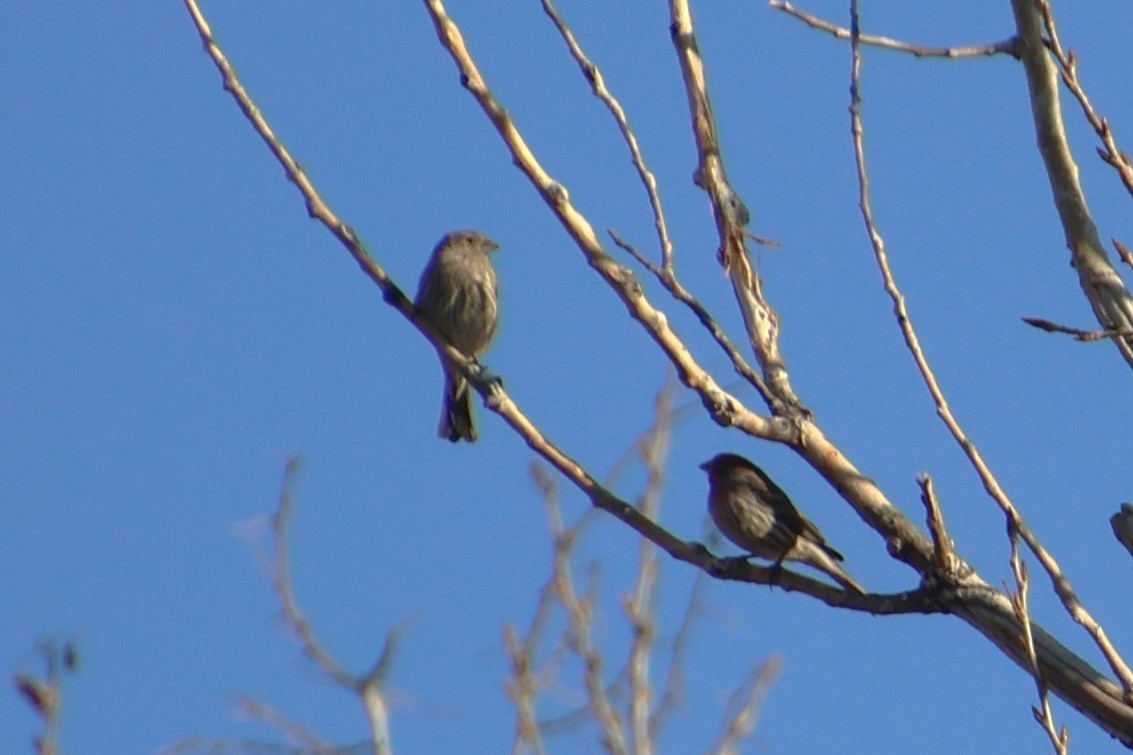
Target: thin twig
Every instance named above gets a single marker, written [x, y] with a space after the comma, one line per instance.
[639, 607]
[1123, 252]
[943, 550]
[525, 685]
[580, 617]
[45, 695]
[1003, 47]
[669, 280]
[598, 85]
[674, 679]
[1079, 335]
[282, 583]
[293, 730]
[1043, 715]
[523, 691]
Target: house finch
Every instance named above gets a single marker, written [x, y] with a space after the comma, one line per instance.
[755, 514]
[458, 294]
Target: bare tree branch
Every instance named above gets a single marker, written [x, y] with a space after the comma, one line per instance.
[1079, 335]
[1109, 152]
[1003, 47]
[639, 607]
[1100, 281]
[45, 694]
[742, 710]
[943, 550]
[669, 280]
[1043, 714]
[368, 687]
[731, 215]
[971, 599]
[1061, 584]
[598, 85]
[293, 730]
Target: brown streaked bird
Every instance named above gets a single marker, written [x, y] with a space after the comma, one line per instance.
[459, 295]
[756, 515]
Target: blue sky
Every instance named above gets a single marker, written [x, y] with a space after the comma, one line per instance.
[173, 328]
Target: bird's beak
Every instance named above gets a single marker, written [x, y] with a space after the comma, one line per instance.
[492, 246]
[703, 466]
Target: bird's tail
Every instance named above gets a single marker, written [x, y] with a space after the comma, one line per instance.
[828, 563]
[456, 411]
[844, 579]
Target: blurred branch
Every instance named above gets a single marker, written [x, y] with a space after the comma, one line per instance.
[674, 681]
[45, 694]
[579, 613]
[368, 687]
[1003, 47]
[639, 607]
[742, 711]
[293, 730]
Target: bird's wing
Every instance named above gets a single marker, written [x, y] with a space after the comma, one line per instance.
[794, 521]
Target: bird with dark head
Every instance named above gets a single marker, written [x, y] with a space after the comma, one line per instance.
[459, 295]
[756, 515]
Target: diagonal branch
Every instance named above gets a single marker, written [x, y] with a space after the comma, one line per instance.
[669, 280]
[1043, 714]
[666, 273]
[598, 85]
[744, 706]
